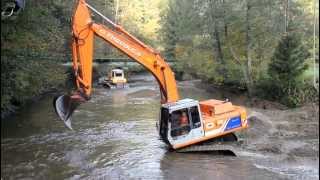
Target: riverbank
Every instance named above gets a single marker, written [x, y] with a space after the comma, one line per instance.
[23, 81]
[284, 141]
[33, 44]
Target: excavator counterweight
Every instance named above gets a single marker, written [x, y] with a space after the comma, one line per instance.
[182, 122]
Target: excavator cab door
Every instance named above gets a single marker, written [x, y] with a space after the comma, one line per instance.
[184, 122]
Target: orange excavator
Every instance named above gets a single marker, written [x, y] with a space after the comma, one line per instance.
[182, 122]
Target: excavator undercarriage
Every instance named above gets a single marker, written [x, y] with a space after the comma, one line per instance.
[225, 145]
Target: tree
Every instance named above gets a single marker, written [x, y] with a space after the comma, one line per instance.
[169, 30]
[248, 74]
[287, 64]
[315, 83]
[179, 25]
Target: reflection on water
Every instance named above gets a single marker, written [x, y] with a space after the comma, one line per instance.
[114, 138]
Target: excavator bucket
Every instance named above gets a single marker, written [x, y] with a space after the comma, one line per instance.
[64, 106]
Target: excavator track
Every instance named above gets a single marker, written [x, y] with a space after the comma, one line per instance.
[219, 148]
[226, 145]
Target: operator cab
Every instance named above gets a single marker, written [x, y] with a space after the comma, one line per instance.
[117, 78]
[180, 122]
[117, 73]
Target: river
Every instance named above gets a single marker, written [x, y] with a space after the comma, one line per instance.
[115, 137]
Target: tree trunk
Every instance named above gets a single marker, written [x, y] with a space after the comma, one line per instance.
[248, 74]
[286, 15]
[244, 67]
[315, 83]
[216, 37]
[116, 13]
[218, 43]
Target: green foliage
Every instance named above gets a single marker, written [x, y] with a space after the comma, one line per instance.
[228, 44]
[288, 61]
[293, 97]
[286, 67]
[39, 30]
[179, 24]
[32, 49]
[23, 79]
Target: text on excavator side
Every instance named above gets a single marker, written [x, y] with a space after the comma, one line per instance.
[121, 43]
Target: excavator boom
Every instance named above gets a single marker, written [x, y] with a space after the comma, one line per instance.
[84, 29]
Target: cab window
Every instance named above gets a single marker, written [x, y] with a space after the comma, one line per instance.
[118, 74]
[195, 117]
[180, 122]
[164, 122]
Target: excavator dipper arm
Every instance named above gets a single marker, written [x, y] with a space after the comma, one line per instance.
[84, 30]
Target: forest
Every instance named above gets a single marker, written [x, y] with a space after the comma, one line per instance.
[264, 48]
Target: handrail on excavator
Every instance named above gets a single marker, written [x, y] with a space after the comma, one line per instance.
[104, 17]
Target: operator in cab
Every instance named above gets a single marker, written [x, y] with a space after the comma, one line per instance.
[184, 123]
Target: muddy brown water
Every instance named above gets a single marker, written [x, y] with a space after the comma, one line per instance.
[115, 137]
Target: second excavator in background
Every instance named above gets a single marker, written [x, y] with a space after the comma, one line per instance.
[115, 79]
[182, 122]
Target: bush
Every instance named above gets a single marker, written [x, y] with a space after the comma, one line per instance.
[22, 80]
[302, 93]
